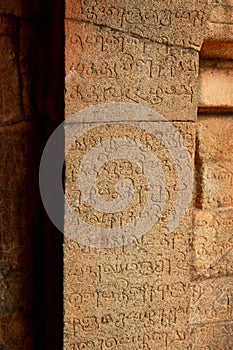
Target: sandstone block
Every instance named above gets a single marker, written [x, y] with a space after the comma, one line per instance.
[20, 8]
[211, 310]
[10, 94]
[211, 314]
[165, 22]
[102, 66]
[214, 162]
[216, 84]
[135, 294]
[212, 242]
[219, 25]
[17, 222]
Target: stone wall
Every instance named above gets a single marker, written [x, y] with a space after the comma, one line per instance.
[163, 289]
[29, 87]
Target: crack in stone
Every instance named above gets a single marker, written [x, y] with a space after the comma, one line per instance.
[133, 35]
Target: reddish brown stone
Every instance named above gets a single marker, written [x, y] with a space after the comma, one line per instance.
[17, 179]
[10, 94]
[20, 8]
[25, 64]
[217, 49]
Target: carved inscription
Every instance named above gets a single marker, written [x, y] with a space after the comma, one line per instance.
[138, 294]
[211, 314]
[132, 296]
[213, 235]
[128, 69]
[166, 22]
[213, 227]
[211, 304]
[113, 171]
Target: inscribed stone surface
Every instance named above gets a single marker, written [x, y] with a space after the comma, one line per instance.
[211, 306]
[160, 290]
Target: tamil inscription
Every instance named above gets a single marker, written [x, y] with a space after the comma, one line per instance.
[104, 66]
[176, 23]
[158, 290]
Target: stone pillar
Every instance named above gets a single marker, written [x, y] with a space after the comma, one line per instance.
[19, 161]
[29, 84]
[211, 305]
[137, 295]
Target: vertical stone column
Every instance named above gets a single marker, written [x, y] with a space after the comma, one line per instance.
[16, 225]
[134, 295]
[211, 305]
[19, 148]
[17, 181]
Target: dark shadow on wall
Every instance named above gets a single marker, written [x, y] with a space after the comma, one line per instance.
[31, 107]
[47, 70]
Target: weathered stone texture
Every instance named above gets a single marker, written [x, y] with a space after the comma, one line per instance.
[211, 314]
[138, 295]
[20, 8]
[15, 75]
[135, 295]
[219, 26]
[213, 224]
[216, 84]
[25, 57]
[103, 66]
[177, 23]
[214, 162]
[141, 53]
[218, 41]
[213, 243]
[216, 49]
[211, 305]
[10, 93]
[16, 227]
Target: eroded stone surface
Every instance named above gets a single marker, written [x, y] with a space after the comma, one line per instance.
[135, 295]
[177, 23]
[103, 66]
[219, 25]
[211, 303]
[216, 84]
[16, 227]
[212, 242]
[161, 291]
[214, 166]
[26, 35]
[10, 94]
[21, 8]
[214, 163]
[211, 314]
